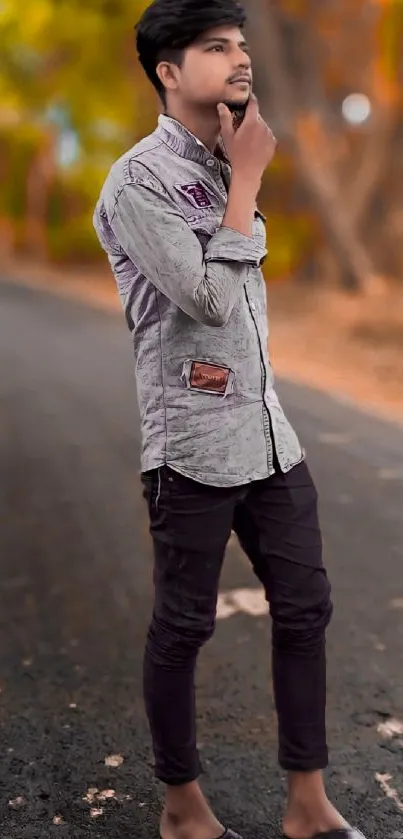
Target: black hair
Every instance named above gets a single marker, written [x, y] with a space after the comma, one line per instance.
[168, 27]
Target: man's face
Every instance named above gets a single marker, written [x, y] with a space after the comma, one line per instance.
[217, 68]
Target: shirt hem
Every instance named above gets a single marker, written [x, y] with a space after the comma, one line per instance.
[224, 481]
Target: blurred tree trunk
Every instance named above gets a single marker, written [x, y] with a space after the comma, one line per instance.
[340, 182]
[6, 225]
[40, 178]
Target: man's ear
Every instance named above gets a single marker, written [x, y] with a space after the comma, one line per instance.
[167, 74]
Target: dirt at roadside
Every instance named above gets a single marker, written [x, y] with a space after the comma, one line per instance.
[351, 346]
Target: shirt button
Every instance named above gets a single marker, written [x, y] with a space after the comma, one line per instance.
[253, 307]
[211, 162]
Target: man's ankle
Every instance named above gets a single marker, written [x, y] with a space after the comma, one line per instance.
[185, 800]
[303, 821]
[180, 826]
[187, 814]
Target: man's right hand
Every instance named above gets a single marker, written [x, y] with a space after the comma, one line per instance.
[251, 147]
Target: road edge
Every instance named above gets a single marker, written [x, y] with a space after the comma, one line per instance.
[105, 297]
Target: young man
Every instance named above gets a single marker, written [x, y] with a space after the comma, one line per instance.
[178, 219]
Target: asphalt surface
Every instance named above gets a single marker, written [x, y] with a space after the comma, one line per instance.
[75, 598]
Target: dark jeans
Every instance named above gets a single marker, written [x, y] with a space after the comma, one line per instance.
[276, 521]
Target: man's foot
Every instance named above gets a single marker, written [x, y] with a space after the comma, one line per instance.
[187, 815]
[173, 828]
[306, 822]
[309, 810]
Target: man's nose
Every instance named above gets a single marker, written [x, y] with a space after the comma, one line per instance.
[243, 61]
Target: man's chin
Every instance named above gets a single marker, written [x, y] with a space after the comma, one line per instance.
[237, 105]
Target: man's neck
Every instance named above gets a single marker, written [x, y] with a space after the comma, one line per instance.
[203, 125]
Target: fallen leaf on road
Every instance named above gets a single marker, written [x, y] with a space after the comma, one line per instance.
[114, 761]
[390, 728]
[91, 795]
[58, 820]
[396, 603]
[250, 601]
[94, 796]
[17, 802]
[390, 792]
[106, 794]
[390, 474]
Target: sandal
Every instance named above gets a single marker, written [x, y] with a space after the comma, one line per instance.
[230, 834]
[341, 833]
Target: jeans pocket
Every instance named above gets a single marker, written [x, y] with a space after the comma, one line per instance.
[152, 489]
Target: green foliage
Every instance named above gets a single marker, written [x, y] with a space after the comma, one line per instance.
[290, 239]
[67, 65]
[391, 37]
[17, 153]
[74, 242]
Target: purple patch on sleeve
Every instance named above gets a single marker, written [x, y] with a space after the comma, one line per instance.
[196, 193]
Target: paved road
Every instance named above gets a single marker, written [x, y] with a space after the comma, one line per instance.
[75, 589]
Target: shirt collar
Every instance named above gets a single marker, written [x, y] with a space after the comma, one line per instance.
[184, 143]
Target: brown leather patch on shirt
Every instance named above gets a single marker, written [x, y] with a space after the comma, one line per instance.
[211, 377]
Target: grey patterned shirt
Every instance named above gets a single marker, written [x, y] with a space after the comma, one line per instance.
[195, 303]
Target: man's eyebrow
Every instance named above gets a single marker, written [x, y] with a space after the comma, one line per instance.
[221, 40]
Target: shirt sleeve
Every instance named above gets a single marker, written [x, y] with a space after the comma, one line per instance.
[154, 234]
